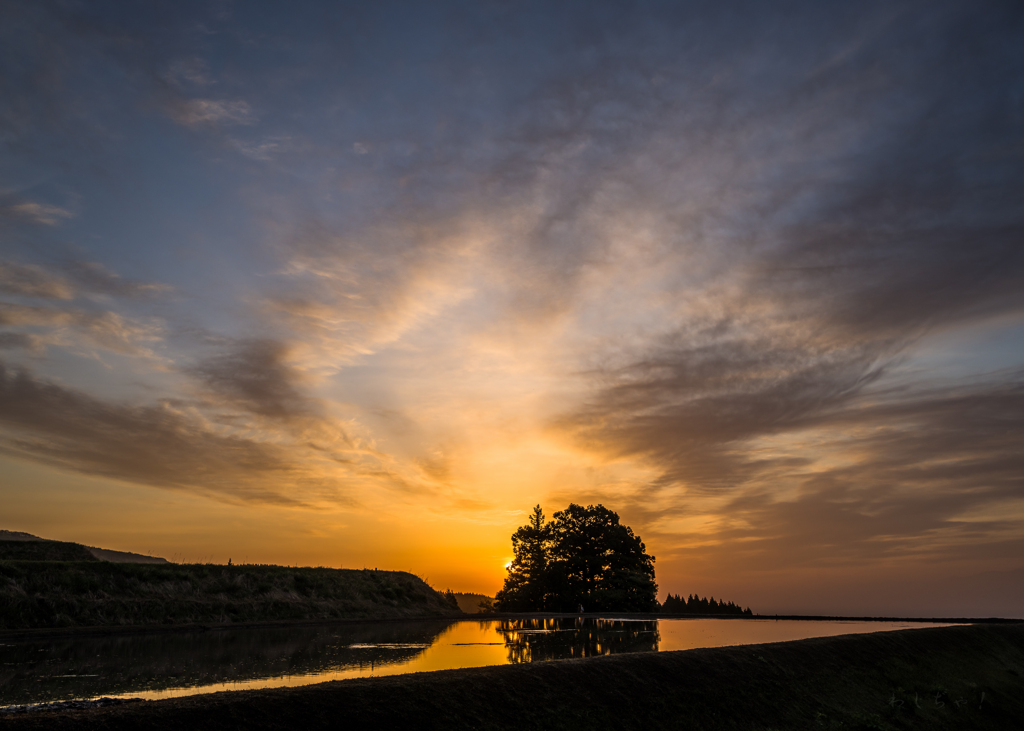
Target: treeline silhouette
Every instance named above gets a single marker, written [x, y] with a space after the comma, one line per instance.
[675, 604]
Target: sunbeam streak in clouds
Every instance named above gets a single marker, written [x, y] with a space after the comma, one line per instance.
[360, 283]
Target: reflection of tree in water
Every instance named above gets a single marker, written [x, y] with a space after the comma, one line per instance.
[536, 640]
[86, 667]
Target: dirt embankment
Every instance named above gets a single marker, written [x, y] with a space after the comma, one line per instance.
[64, 594]
[968, 677]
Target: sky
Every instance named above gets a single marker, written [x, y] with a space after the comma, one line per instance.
[359, 284]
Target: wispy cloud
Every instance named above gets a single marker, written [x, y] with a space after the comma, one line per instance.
[31, 280]
[194, 112]
[22, 341]
[73, 279]
[192, 70]
[105, 329]
[161, 445]
[40, 213]
[264, 149]
[94, 278]
[255, 375]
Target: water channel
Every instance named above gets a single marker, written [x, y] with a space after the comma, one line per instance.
[165, 665]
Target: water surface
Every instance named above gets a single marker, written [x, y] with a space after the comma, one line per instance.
[186, 663]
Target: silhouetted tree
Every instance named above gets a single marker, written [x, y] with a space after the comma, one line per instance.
[449, 596]
[584, 556]
[674, 605]
[525, 586]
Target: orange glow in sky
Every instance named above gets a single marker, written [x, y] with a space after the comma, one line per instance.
[308, 286]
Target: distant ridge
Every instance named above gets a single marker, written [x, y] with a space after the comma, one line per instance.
[470, 602]
[101, 554]
[13, 535]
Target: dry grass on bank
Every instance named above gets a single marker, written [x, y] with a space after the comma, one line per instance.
[38, 594]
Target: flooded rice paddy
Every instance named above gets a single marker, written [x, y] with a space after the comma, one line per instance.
[165, 665]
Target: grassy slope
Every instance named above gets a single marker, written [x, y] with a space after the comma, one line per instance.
[36, 594]
[836, 682]
[12, 548]
[44, 551]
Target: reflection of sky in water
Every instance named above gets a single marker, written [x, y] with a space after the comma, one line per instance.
[186, 663]
[390, 646]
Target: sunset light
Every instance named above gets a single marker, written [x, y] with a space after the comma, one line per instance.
[348, 286]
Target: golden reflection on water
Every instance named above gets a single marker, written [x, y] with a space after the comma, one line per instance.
[462, 645]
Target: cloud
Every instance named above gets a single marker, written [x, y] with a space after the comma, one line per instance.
[957, 443]
[33, 212]
[733, 234]
[350, 296]
[825, 225]
[164, 445]
[77, 278]
[265, 149]
[255, 375]
[95, 278]
[30, 280]
[20, 340]
[54, 322]
[195, 445]
[192, 70]
[692, 410]
[106, 329]
[193, 112]
[896, 477]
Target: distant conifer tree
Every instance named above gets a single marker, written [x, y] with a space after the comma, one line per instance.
[525, 586]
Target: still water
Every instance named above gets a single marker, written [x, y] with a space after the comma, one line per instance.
[185, 663]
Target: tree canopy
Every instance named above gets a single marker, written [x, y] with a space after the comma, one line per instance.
[583, 556]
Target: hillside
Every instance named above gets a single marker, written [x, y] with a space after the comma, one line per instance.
[12, 549]
[39, 594]
[44, 551]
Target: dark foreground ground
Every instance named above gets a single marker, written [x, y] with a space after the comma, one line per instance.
[968, 677]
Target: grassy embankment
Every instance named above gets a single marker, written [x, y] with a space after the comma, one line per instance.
[90, 593]
[44, 551]
[968, 677]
